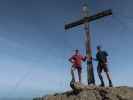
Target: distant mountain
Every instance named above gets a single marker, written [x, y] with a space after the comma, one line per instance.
[15, 99]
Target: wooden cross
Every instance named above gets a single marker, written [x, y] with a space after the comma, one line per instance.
[85, 20]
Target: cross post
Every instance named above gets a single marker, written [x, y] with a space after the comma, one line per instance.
[85, 21]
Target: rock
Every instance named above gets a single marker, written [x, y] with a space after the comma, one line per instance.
[76, 86]
[82, 92]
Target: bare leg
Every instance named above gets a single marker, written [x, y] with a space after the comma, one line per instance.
[108, 75]
[109, 79]
[72, 73]
[99, 71]
[101, 79]
[79, 74]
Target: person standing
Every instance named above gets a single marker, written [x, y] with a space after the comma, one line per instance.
[101, 57]
[76, 61]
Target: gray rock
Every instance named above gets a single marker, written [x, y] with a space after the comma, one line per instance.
[82, 92]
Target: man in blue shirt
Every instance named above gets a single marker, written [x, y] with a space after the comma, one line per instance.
[101, 57]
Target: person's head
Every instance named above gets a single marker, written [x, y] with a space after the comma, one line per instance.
[98, 48]
[76, 51]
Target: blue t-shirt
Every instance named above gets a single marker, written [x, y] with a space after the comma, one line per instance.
[101, 56]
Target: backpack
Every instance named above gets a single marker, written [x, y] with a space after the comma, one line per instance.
[102, 56]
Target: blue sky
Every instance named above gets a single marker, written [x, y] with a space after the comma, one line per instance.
[34, 48]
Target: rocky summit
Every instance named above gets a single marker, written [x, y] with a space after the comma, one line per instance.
[81, 92]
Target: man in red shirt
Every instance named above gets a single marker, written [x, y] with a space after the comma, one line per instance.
[76, 61]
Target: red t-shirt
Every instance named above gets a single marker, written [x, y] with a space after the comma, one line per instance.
[77, 59]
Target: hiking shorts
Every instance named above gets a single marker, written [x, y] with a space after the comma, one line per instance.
[102, 67]
[78, 67]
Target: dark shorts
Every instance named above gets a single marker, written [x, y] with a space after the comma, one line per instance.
[102, 67]
[78, 67]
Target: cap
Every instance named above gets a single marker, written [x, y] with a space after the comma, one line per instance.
[98, 47]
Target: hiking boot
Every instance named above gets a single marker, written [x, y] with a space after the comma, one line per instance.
[102, 85]
[91, 82]
[72, 83]
[110, 83]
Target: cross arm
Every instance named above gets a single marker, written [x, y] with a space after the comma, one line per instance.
[88, 19]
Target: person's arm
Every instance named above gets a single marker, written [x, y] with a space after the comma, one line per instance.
[106, 54]
[71, 60]
[89, 58]
[84, 58]
[95, 59]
